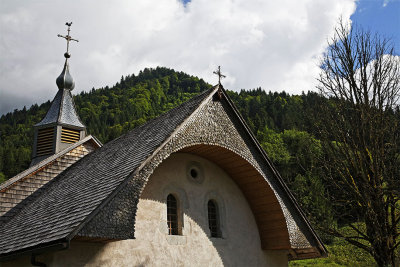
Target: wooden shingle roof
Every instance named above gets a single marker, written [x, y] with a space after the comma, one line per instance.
[61, 209]
[55, 216]
[19, 187]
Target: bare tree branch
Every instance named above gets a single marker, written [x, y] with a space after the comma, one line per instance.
[360, 129]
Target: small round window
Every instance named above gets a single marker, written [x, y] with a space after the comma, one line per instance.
[194, 172]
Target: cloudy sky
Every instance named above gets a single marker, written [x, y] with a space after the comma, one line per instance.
[271, 44]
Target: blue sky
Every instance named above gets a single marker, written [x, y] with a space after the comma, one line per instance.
[275, 45]
[380, 16]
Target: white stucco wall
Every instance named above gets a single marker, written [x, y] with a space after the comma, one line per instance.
[239, 245]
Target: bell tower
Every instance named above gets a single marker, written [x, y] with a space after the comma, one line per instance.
[61, 127]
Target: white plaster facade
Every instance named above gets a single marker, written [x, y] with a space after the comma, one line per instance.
[239, 245]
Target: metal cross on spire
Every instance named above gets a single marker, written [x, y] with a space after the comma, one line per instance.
[68, 38]
[218, 72]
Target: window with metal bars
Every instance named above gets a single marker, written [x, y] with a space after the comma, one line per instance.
[213, 219]
[172, 215]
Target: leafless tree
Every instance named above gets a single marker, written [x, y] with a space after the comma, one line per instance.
[360, 132]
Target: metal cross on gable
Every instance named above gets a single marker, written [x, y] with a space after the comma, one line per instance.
[218, 72]
[68, 38]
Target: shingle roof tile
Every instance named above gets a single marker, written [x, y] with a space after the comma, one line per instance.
[75, 193]
[62, 110]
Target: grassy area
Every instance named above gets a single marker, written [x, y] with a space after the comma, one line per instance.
[340, 254]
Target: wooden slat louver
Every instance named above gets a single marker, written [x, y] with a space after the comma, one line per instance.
[45, 141]
[69, 136]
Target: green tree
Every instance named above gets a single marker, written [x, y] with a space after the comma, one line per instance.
[274, 146]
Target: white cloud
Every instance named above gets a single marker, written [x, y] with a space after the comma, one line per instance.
[386, 2]
[272, 44]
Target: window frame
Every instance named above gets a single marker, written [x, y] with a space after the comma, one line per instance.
[213, 218]
[173, 215]
[182, 204]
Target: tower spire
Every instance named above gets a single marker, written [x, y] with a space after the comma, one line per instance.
[61, 127]
[65, 80]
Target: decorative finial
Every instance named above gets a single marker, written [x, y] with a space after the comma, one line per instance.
[64, 80]
[220, 75]
[68, 38]
[218, 72]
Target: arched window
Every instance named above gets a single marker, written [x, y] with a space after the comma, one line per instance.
[213, 219]
[172, 215]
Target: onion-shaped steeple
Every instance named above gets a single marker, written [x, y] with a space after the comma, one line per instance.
[65, 80]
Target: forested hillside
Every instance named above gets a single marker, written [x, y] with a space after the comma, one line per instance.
[284, 124]
[110, 112]
[107, 112]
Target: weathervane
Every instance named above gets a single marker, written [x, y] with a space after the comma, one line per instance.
[68, 38]
[218, 72]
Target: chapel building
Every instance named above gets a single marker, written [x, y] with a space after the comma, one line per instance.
[192, 187]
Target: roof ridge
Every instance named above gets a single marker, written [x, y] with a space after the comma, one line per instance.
[161, 115]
